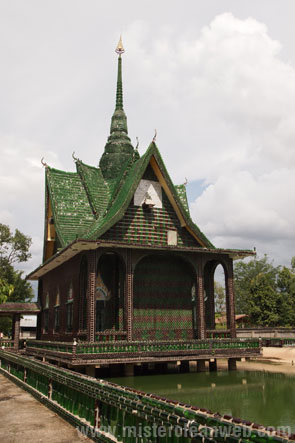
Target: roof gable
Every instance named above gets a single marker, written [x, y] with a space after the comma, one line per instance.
[126, 192]
[72, 213]
[96, 187]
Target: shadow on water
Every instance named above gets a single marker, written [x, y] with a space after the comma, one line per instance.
[264, 397]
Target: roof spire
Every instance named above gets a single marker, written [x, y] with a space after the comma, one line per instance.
[119, 95]
[118, 148]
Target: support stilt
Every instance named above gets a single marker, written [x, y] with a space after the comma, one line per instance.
[232, 364]
[213, 365]
[201, 366]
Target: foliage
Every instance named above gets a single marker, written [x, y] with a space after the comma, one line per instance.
[14, 248]
[6, 290]
[219, 295]
[245, 274]
[266, 293]
[263, 301]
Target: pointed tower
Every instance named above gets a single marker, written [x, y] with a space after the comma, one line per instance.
[118, 149]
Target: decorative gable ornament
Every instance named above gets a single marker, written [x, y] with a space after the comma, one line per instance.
[148, 194]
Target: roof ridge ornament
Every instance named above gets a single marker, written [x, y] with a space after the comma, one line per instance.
[76, 159]
[155, 136]
[120, 49]
[44, 164]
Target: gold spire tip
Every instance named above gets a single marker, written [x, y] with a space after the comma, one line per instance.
[120, 49]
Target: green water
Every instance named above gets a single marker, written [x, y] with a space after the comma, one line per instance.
[264, 397]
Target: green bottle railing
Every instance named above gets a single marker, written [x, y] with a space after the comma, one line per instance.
[113, 413]
[134, 348]
[6, 343]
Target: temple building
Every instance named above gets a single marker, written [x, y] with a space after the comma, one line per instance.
[127, 276]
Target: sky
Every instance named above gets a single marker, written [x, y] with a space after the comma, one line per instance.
[216, 78]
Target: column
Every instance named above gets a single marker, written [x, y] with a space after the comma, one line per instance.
[213, 365]
[201, 327]
[129, 296]
[201, 366]
[16, 331]
[232, 364]
[230, 299]
[91, 297]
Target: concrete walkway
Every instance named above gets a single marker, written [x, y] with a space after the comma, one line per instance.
[24, 419]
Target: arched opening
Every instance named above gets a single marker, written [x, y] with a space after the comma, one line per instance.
[164, 303]
[215, 296]
[109, 293]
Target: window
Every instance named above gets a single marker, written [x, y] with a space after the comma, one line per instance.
[56, 319]
[45, 312]
[70, 301]
[46, 304]
[70, 316]
[45, 320]
[56, 313]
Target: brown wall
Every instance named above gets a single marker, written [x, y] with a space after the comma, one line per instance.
[60, 279]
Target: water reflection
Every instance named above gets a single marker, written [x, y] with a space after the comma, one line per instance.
[263, 397]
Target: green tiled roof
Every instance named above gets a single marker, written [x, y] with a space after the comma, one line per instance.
[85, 206]
[72, 212]
[96, 187]
[181, 191]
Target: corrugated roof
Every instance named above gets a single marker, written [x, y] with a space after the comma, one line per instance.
[19, 308]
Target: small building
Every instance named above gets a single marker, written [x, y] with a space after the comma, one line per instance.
[127, 276]
[28, 326]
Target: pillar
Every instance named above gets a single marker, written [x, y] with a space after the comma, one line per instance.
[16, 331]
[184, 366]
[201, 327]
[90, 370]
[201, 366]
[232, 364]
[129, 296]
[213, 365]
[91, 297]
[129, 370]
[230, 299]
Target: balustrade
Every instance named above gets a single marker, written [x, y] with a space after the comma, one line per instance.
[115, 413]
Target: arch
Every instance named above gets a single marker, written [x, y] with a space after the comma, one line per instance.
[164, 298]
[209, 292]
[109, 292]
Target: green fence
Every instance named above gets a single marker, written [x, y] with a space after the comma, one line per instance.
[108, 412]
[141, 348]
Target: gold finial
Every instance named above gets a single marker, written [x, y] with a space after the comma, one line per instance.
[120, 49]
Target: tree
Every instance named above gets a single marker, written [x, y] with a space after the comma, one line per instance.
[286, 288]
[219, 295]
[6, 290]
[263, 301]
[14, 248]
[245, 274]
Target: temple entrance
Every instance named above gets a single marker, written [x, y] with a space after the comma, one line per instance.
[109, 293]
[164, 303]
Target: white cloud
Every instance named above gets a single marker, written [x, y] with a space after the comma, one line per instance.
[22, 190]
[221, 98]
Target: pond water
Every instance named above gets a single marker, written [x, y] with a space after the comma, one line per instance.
[264, 397]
